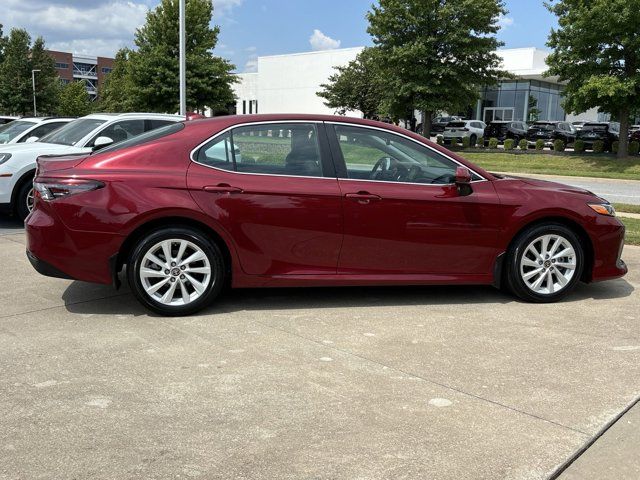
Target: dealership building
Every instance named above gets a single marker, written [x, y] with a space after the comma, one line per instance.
[73, 68]
[288, 83]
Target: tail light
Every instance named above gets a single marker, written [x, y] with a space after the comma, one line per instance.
[52, 189]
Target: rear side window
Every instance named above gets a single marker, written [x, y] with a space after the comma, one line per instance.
[42, 130]
[146, 137]
[275, 149]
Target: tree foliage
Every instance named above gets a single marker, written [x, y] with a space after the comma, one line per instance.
[154, 69]
[597, 52]
[436, 54]
[19, 58]
[74, 100]
[115, 93]
[356, 86]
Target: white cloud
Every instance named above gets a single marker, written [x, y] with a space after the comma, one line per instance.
[320, 41]
[504, 21]
[222, 8]
[252, 64]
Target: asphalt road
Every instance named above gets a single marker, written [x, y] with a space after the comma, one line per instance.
[367, 383]
[618, 191]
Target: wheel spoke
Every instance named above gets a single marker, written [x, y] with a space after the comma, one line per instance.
[185, 294]
[166, 250]
[195, 257]
[538, 282]
[567, 265]
[181, 249]
[550, 281]
[562, 280]
[204, 270]
[150, 273]
[154, 288]
[199, 287]
[563, 253]
[527, 262]
[533, 273]
[152, 258]
[545, 244]
[168, 295]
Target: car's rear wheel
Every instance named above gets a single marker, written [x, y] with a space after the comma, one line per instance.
[545, 263]
[176, 271]
[24, 200]
[473, 139]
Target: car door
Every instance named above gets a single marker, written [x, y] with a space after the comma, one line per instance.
[272, 187]
[403, 213]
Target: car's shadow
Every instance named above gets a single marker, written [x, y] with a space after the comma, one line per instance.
[85, 298]
[10, 225]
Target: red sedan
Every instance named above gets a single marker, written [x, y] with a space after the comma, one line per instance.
[308, 200]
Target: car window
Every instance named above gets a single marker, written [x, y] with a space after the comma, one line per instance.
[72, 132]
[145, 137]
[11, 130]
[120, 131]
[153, 124]
[276, 149]
[381, 156]
[42, 130]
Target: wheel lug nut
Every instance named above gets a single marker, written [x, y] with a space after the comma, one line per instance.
[182, 277]
[173, 264]
[173, 279]
[167, 272]
[183, 267]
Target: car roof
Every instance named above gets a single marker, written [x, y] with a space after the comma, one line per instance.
[113, 116]
[45, 119]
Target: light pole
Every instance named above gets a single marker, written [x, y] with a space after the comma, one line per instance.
[183, 61]
[33, 84]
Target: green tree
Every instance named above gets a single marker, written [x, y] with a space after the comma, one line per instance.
[115, 95]
[597, 52]
[47, 80]
[3, 41]
[356, 86]
[435, 54]
[154, 66]
[74, 100]
[19, 58]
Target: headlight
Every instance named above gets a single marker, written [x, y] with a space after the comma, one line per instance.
[4, 157]
[603, 209]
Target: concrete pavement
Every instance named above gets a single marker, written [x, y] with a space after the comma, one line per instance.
[367, 383]
[618, 191]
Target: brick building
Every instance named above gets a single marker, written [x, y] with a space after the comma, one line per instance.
[71, 67]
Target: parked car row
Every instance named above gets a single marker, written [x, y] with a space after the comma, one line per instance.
[27, 139]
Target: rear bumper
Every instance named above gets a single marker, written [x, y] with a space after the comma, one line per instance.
[58, 251]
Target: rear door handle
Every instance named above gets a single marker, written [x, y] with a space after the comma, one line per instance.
[222, 188]
[363, 197]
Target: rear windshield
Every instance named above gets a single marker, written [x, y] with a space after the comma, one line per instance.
[595, 126]
[73, 131]
[11, 130]
[456, 124]
[543, 126]
[145, 137]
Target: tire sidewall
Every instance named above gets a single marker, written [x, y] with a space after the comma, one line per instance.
[21, 200]
[517, 284]
[210, 249]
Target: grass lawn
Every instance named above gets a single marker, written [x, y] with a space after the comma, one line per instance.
[589, 165]
[632, 235]
[626, 207]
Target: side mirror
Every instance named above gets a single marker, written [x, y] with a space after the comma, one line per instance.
[31, 139]
[102, 142]
[463, 181]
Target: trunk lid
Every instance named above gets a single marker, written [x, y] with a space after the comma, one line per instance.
[47, 164]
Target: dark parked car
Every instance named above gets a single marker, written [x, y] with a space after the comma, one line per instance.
[308, 200]
[503, 130]
[551, 131]
[577, 125]
[634, 136]
[607, 132]
[438, 125]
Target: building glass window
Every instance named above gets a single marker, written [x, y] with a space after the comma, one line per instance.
[62, 65]
[541, 100]
[106, 70]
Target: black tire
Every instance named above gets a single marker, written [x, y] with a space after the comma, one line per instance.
[517, 284]
[473, 139]
[196, 237]
[20, 205]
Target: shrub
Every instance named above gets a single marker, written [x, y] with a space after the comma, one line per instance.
[440, 140]
[540, 144]
[615, 146]
[466, 141]
[558, 146]
[634, 147]
[598, 146]
[579, 146]
[508, 144]
[493, 142]
[523, 144]
[480, 142]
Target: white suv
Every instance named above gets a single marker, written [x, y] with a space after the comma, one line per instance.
[30, 129]
[18, 162]
[458, 129]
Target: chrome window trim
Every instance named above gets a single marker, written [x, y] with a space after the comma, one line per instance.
[348, 124]
[482, 178]
[248, 124]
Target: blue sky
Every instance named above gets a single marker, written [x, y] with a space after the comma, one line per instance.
[248, 27]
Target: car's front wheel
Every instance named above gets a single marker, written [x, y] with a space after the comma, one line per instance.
[176, 271]
[545, 263]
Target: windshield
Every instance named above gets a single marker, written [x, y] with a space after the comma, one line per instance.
[9, 131]
[543, 126]
[73, 132]
[595, 126]
[145, 137]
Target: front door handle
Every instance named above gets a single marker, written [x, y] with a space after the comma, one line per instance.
[222, 188]
[363, 197]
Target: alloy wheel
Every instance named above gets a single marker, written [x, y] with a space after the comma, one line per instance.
[175, 272]
[548, 264]
[30, 199]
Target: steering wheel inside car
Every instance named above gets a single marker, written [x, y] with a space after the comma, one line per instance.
[444, 179]
[387, 168]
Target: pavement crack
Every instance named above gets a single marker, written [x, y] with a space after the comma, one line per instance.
[424, 379]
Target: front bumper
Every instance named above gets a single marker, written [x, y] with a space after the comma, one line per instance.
[607, 262]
